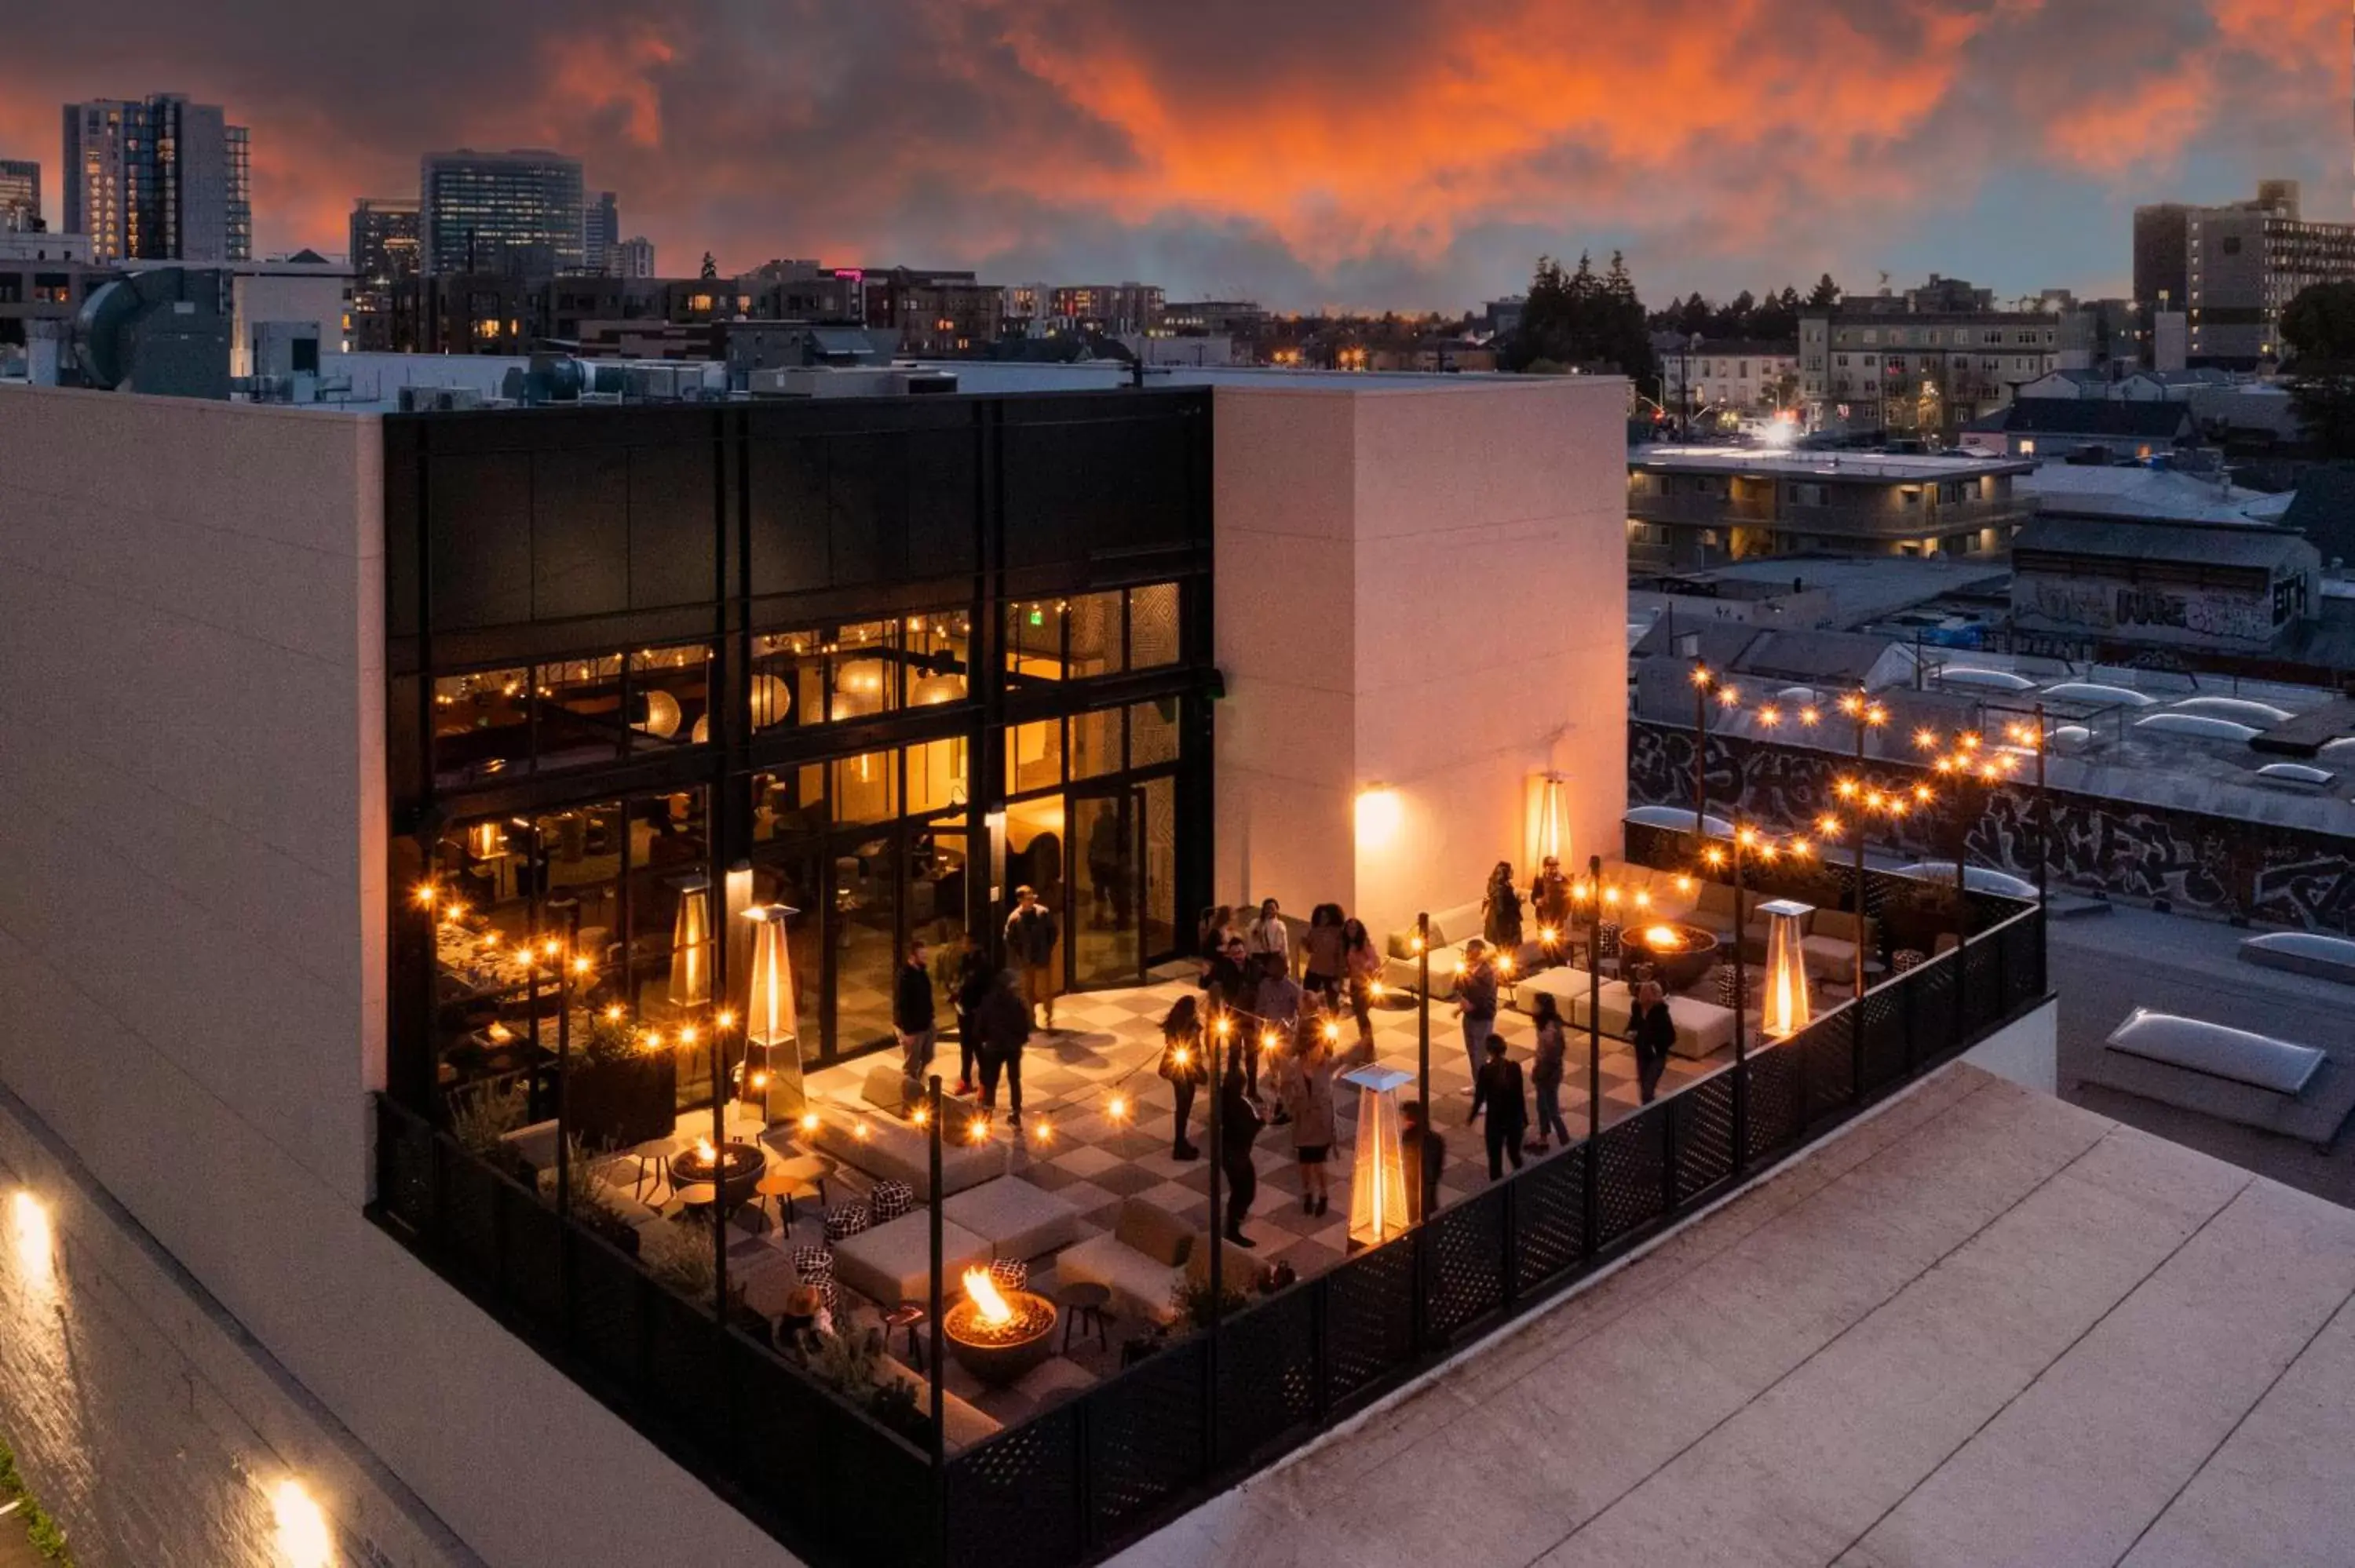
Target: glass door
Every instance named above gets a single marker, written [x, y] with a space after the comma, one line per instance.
[1105, 883]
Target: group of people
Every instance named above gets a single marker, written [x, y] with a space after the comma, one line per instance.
[1266, 1010]
[997, 1009]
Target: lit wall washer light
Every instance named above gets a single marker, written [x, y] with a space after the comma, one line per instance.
[28, 1233]
[304, 1539]
[1380, 814]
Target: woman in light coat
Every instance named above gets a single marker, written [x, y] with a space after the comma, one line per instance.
[1309, 1097]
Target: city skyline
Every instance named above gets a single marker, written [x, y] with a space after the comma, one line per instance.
[1399, 155]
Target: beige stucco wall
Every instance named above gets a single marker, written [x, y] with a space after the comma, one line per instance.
[191, 958]
[1424, 590]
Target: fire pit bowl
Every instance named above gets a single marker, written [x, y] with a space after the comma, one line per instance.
[1679, 954]
[998, 1335]
[733, 1168]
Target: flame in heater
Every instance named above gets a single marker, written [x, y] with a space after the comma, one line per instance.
[993, 1307]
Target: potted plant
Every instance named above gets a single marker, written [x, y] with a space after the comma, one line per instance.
[617, 1092]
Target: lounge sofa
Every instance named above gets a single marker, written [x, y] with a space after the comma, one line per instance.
[1450, 929]
[1140, 1261]
[1829, 949]
[1703, 1028]
[965, 1424]
[891, 1149]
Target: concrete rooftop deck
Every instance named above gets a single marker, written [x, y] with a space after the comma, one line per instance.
[1981, 1328]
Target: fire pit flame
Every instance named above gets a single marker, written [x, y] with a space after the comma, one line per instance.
[987, 1299]
[1663, 939]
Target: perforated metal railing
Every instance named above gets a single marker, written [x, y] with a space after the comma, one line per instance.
[1085, 1477]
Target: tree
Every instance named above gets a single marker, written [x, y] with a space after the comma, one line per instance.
[2319, 326]
[1827, 294]
[710, 268]
[1621, 340]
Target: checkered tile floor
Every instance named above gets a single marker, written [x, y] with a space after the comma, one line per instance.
[1109, 1042]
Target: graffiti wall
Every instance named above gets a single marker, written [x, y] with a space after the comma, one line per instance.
[2210, 865]
[2160, 613]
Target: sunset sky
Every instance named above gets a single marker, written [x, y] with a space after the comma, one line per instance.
[1402, 154]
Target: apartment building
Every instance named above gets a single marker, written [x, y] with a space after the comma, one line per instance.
[1692, 507]
[158, 179]
[2231, 269]
[1865, 367]
[1731, 377]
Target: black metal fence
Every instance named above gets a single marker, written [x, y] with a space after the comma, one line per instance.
[820, 1474]
[1094, 1473]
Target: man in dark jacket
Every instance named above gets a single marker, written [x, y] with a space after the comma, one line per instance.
[973, 980]
[1004, 1020]
[1653, 1030]
[1499, 1088]
[1030, 936]
[912, 1018]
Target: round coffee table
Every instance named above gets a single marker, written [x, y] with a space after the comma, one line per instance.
[1082, 1304]
[907, 1315]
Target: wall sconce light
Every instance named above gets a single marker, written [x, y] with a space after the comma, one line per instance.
[1380, 814]
[29, 1233]
[304, 1539]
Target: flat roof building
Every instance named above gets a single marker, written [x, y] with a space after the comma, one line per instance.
[1691, 507]
[2239, 588]
[365, 709]
[496, 212]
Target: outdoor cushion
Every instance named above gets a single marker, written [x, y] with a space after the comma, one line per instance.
[1016, 1218]
[1703, 1028]
[893, 1262]
[1154, 1231]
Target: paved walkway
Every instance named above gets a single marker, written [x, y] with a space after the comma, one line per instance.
[1981, 1328]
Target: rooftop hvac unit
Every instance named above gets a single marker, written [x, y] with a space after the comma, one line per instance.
[164, 332]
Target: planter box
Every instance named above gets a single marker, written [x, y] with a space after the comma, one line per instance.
[613, 1105]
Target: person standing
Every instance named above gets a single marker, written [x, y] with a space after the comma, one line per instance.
[1500, 910]
[1313, 1125]
[1545, 1072]
[1500, 1089]
[974, 982]
[1424, 1154]
[1266, 933]
[1227, 980]
[1211, 931]
[1362, 962]
[912, 1019]
[1277, 1002]
[1238, 1125]
[1004, 1022]
[1030, 936]
[1321, 954]
[1185, 1064]
[1550, 902]
[1653, 1030]
[1475, 998]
